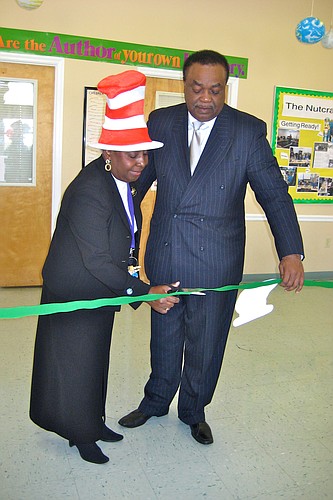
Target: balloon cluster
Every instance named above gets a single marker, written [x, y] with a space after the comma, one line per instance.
[311, 30]
[30, 4]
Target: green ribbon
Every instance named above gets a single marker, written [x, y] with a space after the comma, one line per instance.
[61, 307]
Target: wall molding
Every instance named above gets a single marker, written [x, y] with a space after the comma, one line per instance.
[316, 275]
[301, 218]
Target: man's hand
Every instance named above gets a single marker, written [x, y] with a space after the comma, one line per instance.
[292, 273]
[163, 305]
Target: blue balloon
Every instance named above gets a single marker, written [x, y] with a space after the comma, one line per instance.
[310, 30]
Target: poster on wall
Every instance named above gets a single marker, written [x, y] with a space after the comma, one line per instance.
[93, 119]
[302, 141]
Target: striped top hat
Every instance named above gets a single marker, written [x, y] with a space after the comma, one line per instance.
[124, 127]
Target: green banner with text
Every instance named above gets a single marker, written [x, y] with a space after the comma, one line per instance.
[110, 51]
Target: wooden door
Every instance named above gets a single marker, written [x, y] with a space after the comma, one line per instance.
[153, 85]
[25, 210]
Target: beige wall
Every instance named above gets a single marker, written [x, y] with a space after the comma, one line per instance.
[260, 30]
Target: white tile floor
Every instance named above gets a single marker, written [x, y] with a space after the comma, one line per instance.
[271, 415]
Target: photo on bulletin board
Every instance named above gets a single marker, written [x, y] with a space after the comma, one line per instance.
[93, 119]
[302, 142]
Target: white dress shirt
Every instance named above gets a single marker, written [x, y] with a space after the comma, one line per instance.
[205, 129]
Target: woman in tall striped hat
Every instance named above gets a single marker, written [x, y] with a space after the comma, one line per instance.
[93, 254]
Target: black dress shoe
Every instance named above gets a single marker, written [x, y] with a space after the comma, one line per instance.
[110, 436]
[91, 453]
[202, 433]
[134, 419]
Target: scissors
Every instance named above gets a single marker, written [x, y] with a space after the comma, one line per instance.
[191, 291]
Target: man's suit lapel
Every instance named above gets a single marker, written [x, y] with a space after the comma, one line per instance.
[217, 146]
[179, 153]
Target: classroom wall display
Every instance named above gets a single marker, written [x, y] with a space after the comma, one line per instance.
[93, 119]
[69, 46]
[302, 141]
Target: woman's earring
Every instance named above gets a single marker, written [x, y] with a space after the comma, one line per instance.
[108, 165]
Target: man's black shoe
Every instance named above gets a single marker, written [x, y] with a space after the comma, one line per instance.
[202, 433]
[134, 419]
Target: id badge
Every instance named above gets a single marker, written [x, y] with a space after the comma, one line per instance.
[133, 267]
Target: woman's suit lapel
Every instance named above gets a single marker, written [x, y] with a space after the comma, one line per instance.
[115, 200]
[136, 202]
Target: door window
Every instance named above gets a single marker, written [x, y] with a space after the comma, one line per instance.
[17, 132]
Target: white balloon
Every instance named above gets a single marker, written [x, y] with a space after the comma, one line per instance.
[327, 40]
[30, 4]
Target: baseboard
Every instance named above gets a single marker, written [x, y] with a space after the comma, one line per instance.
[319, 276]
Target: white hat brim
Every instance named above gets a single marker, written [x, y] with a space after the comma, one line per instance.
[142, 146]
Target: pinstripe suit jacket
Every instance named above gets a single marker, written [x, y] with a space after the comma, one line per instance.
[197, 232]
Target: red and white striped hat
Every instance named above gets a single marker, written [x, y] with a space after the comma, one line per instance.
[124, 128]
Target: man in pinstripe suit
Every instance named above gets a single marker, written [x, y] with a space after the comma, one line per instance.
[197, 236]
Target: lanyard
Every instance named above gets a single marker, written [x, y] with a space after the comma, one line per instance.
[131, 218]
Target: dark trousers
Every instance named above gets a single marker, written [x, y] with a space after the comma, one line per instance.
[70, 371]
[187, 347]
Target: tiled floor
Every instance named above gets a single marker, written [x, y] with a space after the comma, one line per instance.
[271, 415]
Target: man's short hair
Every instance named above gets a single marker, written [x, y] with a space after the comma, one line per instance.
[206, 57]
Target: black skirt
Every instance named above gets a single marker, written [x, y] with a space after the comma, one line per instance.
[70, 371]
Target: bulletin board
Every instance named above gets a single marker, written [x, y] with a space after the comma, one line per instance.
[93, 119]
[302, 141]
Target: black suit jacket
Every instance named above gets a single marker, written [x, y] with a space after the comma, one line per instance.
[197, 232]
[88, 255]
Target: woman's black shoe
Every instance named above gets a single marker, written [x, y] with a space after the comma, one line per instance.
[110, 436]
[91, 453]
